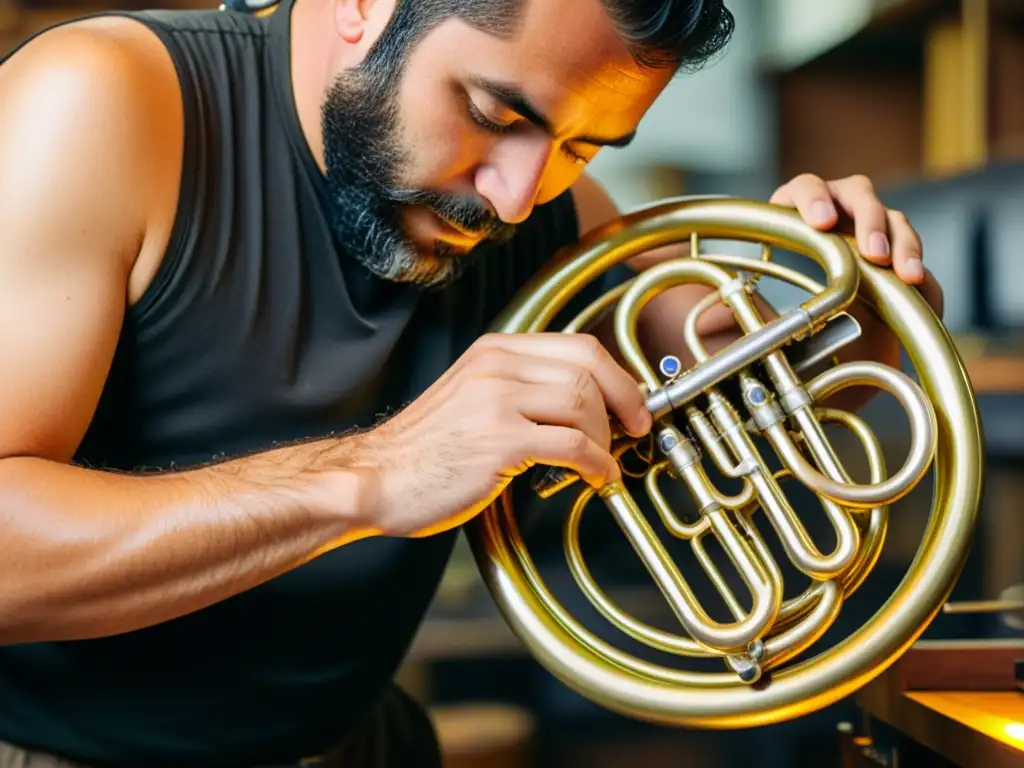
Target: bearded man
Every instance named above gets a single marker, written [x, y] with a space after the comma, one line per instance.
[228, 245]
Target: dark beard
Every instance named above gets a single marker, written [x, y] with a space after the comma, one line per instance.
[363, 156]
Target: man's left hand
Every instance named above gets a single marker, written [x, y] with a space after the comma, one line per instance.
[851, 206]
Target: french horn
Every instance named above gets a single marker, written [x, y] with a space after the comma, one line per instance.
[763, 672]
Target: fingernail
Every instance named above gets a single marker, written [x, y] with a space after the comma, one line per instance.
[914, 269]
[823, 212]
[643, 427]
[879, 245]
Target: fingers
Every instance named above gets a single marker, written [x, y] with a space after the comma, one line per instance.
[907, 259]
[569, 448]
[883, 237]
[856, 197]
[559, 357]
[812, 199]
[816, 201]
[580, 408]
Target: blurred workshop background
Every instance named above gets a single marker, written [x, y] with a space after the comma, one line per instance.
[926, 97]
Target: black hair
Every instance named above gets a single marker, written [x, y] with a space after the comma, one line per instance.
[679, 34]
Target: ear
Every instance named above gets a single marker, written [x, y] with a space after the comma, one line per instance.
[355, 18]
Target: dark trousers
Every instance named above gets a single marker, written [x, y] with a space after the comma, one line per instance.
[396, 733]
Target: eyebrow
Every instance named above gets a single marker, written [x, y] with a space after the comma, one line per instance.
[514, 99]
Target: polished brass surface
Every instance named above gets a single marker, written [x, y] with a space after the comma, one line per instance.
[697, 426]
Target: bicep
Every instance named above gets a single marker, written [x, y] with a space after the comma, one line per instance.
[71, 215]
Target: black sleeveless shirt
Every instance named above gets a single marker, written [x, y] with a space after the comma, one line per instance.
[257, 330]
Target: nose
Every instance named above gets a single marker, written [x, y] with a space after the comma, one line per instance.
[511, 178]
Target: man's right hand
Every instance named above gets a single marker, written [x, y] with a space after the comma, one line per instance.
[510, 402]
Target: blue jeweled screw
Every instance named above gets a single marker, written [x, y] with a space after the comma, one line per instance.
[670, 365]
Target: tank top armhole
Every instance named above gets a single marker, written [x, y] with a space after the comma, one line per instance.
[188, 205]
[185, 212]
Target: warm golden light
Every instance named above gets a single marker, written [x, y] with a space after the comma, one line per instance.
[1015, 731]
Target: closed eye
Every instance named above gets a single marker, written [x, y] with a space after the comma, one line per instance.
[493, 126]
[485, 122]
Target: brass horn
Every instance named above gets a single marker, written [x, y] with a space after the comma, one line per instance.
[760, 680]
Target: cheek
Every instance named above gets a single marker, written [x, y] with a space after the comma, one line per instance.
[557, 180]
[443, 147]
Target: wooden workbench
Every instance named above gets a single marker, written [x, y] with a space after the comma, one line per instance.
[952, 701]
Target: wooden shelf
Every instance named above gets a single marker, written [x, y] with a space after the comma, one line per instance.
[996, 375]
[995, 364]
[926, 90]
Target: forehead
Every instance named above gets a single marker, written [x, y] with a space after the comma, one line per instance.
[566, 56]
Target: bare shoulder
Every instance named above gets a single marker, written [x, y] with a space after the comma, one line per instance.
[90, 145]
[90, 141]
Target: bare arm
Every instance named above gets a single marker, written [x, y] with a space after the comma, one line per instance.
[661, 322]
[85, 137]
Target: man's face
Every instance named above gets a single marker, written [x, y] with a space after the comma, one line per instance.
[438, 147]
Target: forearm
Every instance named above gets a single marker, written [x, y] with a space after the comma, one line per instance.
[90, 553]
